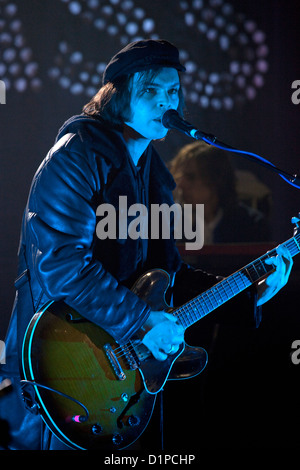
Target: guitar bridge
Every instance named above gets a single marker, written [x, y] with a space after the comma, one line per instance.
[133, 353]
[114, 362]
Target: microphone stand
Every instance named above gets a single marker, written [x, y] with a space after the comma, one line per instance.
[172, 120]
[210, 139]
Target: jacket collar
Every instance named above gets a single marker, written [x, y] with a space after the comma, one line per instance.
[109, 142]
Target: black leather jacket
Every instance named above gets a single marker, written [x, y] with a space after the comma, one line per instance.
[90, 165]
[61, 257]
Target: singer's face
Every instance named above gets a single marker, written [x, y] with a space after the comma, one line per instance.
[150, 99]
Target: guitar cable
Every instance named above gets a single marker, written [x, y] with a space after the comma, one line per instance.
[76, 418]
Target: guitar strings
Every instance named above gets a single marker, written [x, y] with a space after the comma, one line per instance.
[188, 313]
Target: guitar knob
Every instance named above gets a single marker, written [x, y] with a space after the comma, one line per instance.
[117, 439]
[124, 397]
[133, 421]
[97, 429]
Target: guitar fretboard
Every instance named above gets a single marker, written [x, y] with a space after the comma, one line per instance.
[202, 305]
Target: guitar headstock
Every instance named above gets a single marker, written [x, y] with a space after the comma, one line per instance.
[296, 221]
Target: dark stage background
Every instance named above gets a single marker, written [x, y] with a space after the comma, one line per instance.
[242, 58]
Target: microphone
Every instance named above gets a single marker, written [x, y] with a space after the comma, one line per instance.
[172, 120]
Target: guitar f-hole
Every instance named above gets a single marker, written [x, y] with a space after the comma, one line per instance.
[73, 319]
[132, 401]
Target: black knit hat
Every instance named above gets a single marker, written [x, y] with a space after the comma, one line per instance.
[142, 55]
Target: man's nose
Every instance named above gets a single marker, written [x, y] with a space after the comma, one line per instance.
[164, 101]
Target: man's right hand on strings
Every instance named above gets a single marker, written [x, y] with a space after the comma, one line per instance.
[163, 334]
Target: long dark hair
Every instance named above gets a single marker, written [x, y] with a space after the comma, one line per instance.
[112, 102]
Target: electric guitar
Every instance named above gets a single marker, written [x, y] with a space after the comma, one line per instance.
[96, 394]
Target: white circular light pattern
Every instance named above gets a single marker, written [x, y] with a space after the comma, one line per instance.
[118, 19]
[238, 41]
[18, 69]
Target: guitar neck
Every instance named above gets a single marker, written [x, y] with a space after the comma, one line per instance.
[205, 303]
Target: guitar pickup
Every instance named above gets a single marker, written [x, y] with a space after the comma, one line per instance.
[114, 362]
